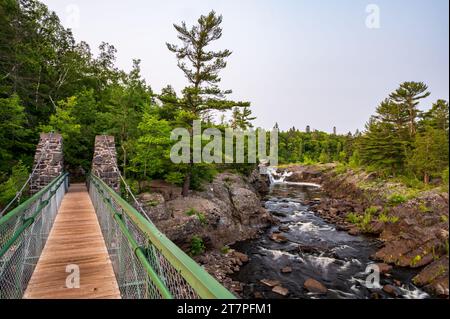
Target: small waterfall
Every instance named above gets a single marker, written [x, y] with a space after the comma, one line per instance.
[275, 177]
[280, 178]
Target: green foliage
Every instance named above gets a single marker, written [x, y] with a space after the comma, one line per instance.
[201, 217]
[341, 168]
[423, 208]
[197, 246]
[384, 218]
[362, 221]
[445, 176]
[416, 260]
[396, 199]
[353, 218]
[225, 250]
[12, 185]
[431, 154]
[371, 210]
[13, 132]
[175, 178]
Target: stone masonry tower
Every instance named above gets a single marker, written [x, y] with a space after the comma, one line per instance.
[49, 156]
[104, 163]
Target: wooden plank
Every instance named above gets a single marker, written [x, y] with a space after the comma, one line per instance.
[75, 239]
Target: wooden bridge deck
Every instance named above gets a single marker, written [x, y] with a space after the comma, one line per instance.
[75, 239]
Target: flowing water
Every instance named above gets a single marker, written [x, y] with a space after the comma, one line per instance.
[314, 249]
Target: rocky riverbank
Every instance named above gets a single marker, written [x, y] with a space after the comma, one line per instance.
[413, 226]
[206, 222]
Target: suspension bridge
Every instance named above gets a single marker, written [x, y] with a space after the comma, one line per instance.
[70, 241]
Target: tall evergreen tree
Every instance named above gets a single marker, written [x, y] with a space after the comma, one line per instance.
[201, 67]
[408, 96]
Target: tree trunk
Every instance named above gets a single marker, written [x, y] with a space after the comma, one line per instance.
[187, 183]
[426, 178]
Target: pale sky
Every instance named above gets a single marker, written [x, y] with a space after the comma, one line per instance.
[299, 62]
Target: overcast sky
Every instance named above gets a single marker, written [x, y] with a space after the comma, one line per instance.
[298, 62]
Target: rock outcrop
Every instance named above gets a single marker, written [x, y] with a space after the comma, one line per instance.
[228, 210]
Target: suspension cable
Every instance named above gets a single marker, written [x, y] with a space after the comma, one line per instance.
[20, 192]
[127, 187]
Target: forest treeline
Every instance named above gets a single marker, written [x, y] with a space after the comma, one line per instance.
[49, 82]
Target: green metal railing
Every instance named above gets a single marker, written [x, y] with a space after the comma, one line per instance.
[23, 234]
[146, 263]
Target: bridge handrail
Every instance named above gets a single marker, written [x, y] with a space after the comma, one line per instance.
[198, 278]
[23, 234]
[22, 209]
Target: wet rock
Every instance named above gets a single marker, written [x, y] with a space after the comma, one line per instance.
[384, 268]
[314, 286]
[259, 181]
[279, 238]
[398, 283]
[286, 270]
[270, 282]
[258, 295]
[391, 290]
[374, 295]
[280, 290]
[354, 231]
[284, 228]
[308, 249]
[242, 257]
[376, 227]
[434, 277]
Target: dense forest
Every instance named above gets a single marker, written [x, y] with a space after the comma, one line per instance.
[49, 82]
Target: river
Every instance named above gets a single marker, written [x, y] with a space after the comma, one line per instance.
[314, 249]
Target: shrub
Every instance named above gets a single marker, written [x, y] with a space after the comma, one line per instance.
[175, 178]
[384, 218]
[202, 219]
[308, 160]
[365, 221]
[197, 246]
[191, 212]
[396, 199]
[353, 218]
[341, 168]
[225, 250]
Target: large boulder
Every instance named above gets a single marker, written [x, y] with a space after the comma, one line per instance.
[226, 211]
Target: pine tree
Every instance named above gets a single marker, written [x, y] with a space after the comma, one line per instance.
[381, 148]
[408, 96]
[201, 68]
[431, 153]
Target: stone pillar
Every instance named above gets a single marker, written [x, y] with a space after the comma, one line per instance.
[50, 153]
[104, 163]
